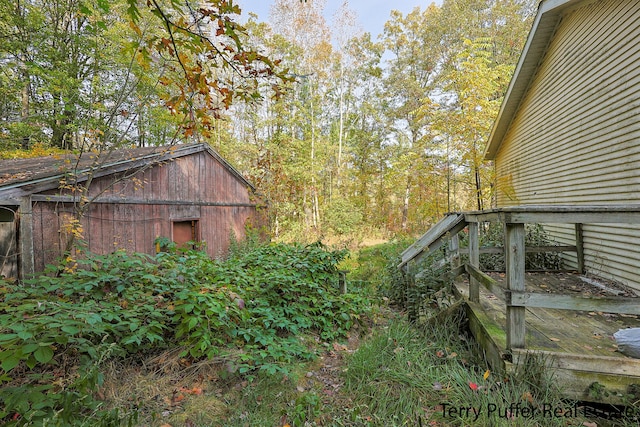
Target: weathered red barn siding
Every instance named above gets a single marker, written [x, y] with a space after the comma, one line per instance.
[130, 214]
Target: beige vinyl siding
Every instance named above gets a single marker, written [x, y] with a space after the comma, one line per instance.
[564, 234]
[576, 136]
[612, 250]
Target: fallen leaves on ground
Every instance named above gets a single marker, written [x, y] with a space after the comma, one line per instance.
[195, 390]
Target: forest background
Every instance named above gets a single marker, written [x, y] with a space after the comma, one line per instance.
[344, 133]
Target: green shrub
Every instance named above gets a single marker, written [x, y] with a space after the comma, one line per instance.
[290, 289]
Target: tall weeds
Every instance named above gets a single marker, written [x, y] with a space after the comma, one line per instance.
[412, 375]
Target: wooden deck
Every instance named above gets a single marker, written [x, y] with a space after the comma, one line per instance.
[520, 313]
[578, 345]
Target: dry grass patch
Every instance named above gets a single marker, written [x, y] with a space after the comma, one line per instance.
[166, 389]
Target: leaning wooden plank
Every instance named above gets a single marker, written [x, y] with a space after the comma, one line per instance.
[435, 231]
[454, 311]
[573, 302]
[432, 239]
[457, 271]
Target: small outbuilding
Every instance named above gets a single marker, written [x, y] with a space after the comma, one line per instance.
[184, 193]
[568, 132]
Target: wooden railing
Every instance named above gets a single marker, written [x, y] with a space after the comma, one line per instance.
[515, 295]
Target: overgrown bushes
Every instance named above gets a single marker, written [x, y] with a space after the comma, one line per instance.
[249, 311]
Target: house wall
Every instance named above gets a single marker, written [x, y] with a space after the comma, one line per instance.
[196, 186]
[576, 136]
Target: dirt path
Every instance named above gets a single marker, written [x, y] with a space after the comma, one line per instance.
[327, 371]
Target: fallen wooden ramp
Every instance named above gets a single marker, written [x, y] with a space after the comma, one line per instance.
[433, 239]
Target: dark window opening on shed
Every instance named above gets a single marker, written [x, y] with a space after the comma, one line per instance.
[185, 232]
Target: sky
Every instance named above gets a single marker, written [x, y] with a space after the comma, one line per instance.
[372, 14]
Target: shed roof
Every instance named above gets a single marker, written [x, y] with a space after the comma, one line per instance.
[19, 177]
[549, 14]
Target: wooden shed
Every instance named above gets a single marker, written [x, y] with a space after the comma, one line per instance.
[184, 193]
[568, 132]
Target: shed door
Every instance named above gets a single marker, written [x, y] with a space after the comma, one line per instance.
[185, 231]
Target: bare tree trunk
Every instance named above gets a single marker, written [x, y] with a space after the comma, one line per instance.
[341, 125]
[405, 205]
[476, 172]
[315, 208]
[478, 188]
[24, 112]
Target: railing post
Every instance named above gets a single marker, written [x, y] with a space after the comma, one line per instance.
[454, 251]
[580, 248]
[514, 260]
[474, 260]
[25, 242]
